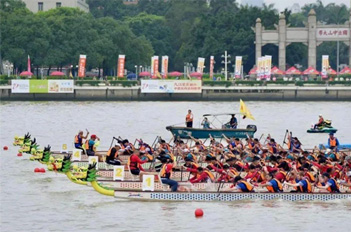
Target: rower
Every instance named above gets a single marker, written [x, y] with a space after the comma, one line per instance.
[273, 185]
[233, 122]
[204, 176]
[134, 164]
[90, 145]
[302, 183]
[166, 173]
[78, 140]
[191, 167]
[112, 155]
[189, 119]
[330, 184]
[240, 185]
[320, 122]
[333, 142]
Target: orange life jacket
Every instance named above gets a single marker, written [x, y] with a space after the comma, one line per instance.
[309, 187]
[248, 186]
[336, 185]
[310, 176]
[76, 139]
[163, 173]
[210, 175]
[272, 190]
[189, 118]
[332, 142]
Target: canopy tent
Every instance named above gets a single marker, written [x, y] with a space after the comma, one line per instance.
[253, 71]
[57, 73]
[345, 70]
[26, 73]
[293, 71]
[175, 74]
[332, 71]
[145, 74]
[196, 74]
[310, 71]
[276, 71]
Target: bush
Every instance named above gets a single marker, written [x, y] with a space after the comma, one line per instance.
[91, 83]
[5, 82]
[124, 83]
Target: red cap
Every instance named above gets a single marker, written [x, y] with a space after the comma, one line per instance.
[93, 136]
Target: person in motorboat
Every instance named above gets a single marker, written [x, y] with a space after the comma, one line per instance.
[320, 122]
[233, 122]
[189, 118]
[205, 123]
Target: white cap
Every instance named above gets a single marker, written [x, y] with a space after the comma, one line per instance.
[320, 115]
[348, 173]
[328, 150]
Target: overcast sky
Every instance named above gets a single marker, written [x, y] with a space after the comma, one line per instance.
[281, 4]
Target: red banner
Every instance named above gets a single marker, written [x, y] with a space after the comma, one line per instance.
[81, 66]
[154, 66]
[120, 65]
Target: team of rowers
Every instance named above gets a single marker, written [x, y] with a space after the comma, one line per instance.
[246, 164]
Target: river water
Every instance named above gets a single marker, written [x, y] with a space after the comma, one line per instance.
[49, 202]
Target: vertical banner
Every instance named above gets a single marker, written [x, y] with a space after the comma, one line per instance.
[28, 64]
[154, 66]
[211, 66]
[81, 65]
[268, 66]
[259, 67]
[120, 65]
[164, 66]
[200, 64]
[238, 63]
[325, 66]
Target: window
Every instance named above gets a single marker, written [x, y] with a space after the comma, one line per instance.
[58, 4]
[40, 6]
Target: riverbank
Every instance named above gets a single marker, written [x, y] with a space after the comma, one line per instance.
[212, 93]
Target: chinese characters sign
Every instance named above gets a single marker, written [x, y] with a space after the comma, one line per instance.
[333, 33]
[171, 86]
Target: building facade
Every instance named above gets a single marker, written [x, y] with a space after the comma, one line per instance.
[44, 5]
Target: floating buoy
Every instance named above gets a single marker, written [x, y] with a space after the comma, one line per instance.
[199, 213]
[19, 154]
[36, 169]
[42, 170]
[5, 148]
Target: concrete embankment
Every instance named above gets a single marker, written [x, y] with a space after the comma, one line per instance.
[260, 93]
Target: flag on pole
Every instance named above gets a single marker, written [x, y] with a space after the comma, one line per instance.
[245, 111]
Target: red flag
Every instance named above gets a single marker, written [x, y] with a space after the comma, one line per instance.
[28, 68]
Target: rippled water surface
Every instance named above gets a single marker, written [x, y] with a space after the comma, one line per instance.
[49, 202]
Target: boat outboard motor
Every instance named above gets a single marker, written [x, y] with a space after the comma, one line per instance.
[251, 127]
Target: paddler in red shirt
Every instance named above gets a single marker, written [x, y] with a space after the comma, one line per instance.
[204, 175]
[134, 164]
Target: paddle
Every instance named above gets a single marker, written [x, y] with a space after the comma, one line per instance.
[286, 132]
[112, 141]
[221, 183]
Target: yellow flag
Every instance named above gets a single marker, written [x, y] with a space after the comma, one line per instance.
[245, 111]
[158, 75]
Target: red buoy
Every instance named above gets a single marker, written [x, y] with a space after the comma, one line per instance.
[19, 154]
[36, 169]
[5, 148]
[199, 213]
[42, 170]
